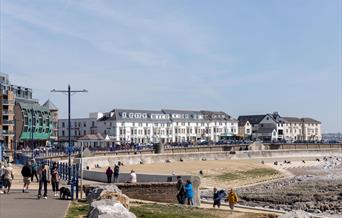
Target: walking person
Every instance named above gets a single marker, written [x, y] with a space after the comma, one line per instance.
[109, 173]
[2, 172]
[8, 177]
[232, 199]
[55, 179]
[26, 172]
[181, 190]
[116, 173]
[43, 181]
[34, 170]
[217, 198]
[189, 193]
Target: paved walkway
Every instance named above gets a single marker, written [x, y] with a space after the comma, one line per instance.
[18, 205]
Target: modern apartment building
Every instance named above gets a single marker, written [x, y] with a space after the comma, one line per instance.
[7, 111]
[16, 102]
[153, 126]
[33, 124]
[54, 119]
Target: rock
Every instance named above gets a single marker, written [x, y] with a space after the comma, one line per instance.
[123, 199]
[109, 208]
[94, 193]
[295, 214]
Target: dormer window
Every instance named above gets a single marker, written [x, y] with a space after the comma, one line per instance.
[131, 115]
[144, 115]
[124, 115]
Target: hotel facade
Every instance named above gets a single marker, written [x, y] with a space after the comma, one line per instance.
[153, 126]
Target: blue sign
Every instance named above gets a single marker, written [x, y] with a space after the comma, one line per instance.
[69, 149]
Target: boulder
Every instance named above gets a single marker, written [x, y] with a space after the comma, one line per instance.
[94, 193]
[123, 199]
[109, 208]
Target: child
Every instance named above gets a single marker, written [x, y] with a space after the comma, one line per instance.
[217, 198]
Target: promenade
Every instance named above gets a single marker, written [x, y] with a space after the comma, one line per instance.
[17, 204]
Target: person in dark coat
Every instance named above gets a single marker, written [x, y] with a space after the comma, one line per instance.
[181, 190]
[109, 173]
[116, 173]
[43, 175]
[217, 198]
[26, 172]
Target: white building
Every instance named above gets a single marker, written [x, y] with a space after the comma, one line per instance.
[153, 126]
[79, 127]
[273, 127]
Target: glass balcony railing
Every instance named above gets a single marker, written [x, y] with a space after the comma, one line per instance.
[5, 101]
[7, 112]
[7, 132]
[7, 122]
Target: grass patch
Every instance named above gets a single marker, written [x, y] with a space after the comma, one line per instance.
[175, 211]
[253, 173]
[78, 209]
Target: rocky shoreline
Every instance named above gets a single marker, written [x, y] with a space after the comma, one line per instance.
[314, 189]
[317, 190]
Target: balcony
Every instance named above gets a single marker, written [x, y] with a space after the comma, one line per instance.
[7, 102]
[7, 132]
[7, 122]
[7, 112]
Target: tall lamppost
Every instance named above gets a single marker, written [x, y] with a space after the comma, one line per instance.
[32, 114]
[69, 91]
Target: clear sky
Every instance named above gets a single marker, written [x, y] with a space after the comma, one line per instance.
[241, 57]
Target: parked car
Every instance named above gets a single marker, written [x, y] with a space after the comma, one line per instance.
[203, 143]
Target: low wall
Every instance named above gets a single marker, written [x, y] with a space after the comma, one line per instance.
[105, 161]
[160, 192]
[164, 184]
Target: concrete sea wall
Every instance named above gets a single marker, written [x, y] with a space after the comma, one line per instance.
[105, 161]
[161, 188]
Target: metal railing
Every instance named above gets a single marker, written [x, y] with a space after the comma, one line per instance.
[7, 132]
[7, 112]
[5, 122]
[5, 101]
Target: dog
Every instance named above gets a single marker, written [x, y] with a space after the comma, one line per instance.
[64, 192]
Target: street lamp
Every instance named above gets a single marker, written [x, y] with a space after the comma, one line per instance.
[32, 113]
[69, 91]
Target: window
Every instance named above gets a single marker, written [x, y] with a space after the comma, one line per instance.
[63, 124]
[124, 115]
[84, 124]
[84, 132]
[267, 118]
[93, 123]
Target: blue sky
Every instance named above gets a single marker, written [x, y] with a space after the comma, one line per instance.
[242, 57]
